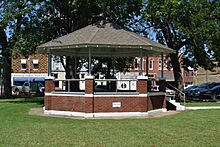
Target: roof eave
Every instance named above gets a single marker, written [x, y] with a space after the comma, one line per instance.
[47, 49]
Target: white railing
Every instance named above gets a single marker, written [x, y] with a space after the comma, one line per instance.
[115, 85]
[181, 93]
[103, 85]
[154, 85]
[66, 85]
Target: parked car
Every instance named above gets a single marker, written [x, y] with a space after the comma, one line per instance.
[170, 92]
[29, 87]
[210, 94]
[196, 91]
[189, 90]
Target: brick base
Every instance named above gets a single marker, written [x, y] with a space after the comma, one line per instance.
[104, 104]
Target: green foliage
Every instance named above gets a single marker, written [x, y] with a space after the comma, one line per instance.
[111, 64]
[63, 17]
[120, 11]
[33, 22]
[189, 26]
[20, 20]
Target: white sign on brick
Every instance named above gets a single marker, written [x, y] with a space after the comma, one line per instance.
[116, 104]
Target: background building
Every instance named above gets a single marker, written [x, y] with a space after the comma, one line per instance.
[33, 68]
[154, 70]
[202, 76]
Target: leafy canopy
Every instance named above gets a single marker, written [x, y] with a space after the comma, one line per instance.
[190, 26]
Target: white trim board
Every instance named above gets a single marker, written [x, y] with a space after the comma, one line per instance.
[104, 114]
[91, 95]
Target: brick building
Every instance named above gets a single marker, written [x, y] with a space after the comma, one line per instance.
[154, 67]
[33, 68]
[154, 70]
[202, 76]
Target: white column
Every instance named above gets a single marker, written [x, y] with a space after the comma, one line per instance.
[141, 64]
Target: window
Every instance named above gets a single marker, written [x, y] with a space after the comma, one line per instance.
[159, 64]
[142, 63]
[82, 76]
[165, 62]
[35, 64]
[150, 64]
[23, 64]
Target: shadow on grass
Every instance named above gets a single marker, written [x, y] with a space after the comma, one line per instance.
[36, 100]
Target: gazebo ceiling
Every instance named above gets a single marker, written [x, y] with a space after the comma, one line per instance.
[103, 41]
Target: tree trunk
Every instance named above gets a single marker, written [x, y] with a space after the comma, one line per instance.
[177, 71]
[169, 37]
[6, 55]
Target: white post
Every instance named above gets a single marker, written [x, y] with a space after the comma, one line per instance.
[141, 64]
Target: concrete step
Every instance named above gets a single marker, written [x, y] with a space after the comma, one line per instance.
[178, 106]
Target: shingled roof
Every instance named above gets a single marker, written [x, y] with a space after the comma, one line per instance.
[107, 40]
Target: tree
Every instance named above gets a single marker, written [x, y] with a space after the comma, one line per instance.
[6, 64]
[17, 18]
[32, 22]
[185, 26]
[67, 16]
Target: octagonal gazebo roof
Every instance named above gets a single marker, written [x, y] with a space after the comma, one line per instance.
[107, 40]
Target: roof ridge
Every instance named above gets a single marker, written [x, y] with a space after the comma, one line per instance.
[93, 35]
[134, 35]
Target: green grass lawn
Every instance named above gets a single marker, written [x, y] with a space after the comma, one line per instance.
[201, 104]
[190, 128]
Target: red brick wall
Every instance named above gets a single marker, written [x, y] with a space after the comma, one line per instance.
[49, 85]
[89, 84]
[67, 103]
[43, 64]
[155, 66]
[188, 76]
[104, 104]
[128, 104]
[142, 86]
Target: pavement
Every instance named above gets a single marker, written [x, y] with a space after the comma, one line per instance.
[40, 112]
[202, 108]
